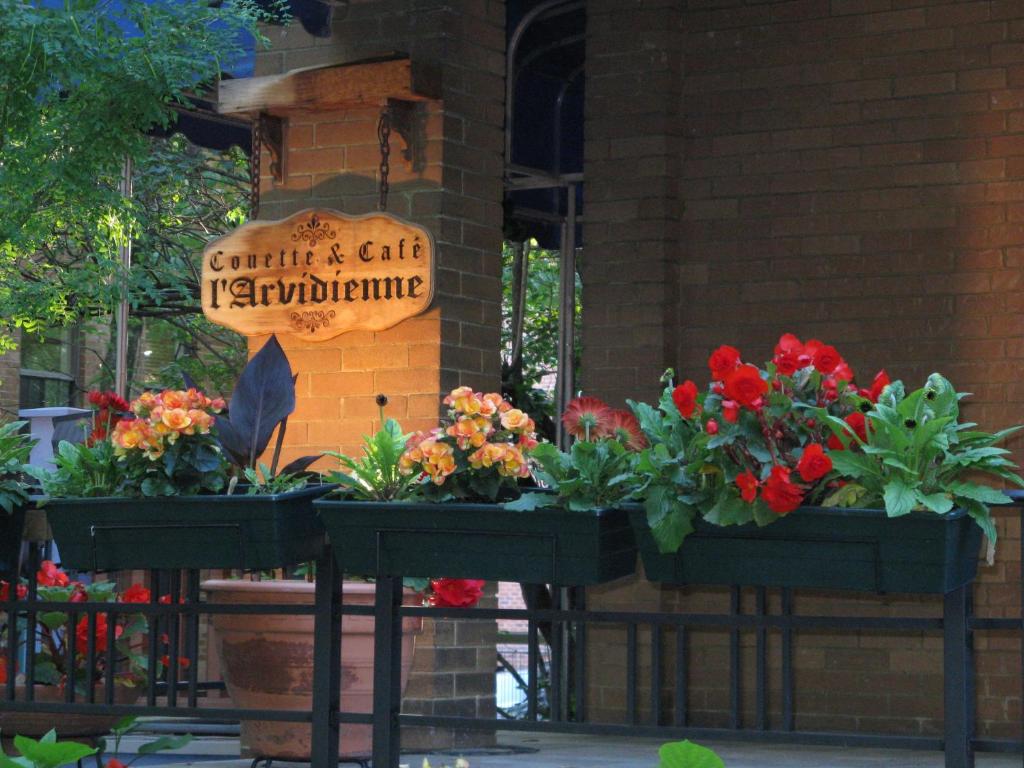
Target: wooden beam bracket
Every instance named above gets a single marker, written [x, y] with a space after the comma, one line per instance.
[409, 120]
[274, 135]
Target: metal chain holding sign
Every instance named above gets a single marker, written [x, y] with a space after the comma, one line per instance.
[384, 136]
[254, 168]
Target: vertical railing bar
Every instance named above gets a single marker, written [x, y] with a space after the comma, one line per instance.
[173, 629]
[91, 623]
[735, 721]
[111, 654]
[656, 674]
[555, 667]
[192, 638]
[154, 639]
[681, 703]
[533, 654]
[631, 667]
[327, 622]
[69, 657]
[762, 661]
[11, 661]
[580, 603]
[31, 626]
[788, 719]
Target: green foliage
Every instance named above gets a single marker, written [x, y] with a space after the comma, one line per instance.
[377, 474]
[82, 470]
[592, 475]
[45, 753]
[161, 744]
[919, 456]
[686, 754]
[15, 447]
[263, 482]
[78, 96]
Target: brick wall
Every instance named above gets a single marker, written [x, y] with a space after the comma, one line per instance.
[456, 193]
[850, 170]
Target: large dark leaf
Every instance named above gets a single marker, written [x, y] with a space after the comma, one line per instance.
[263, 397]
[300, 464]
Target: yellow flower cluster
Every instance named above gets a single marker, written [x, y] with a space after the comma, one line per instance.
[484, 431]
[161, 418]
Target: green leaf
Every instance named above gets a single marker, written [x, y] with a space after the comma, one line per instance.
[853, 465]
[979, 512]
[936, 502]
[982, 493]
[50, 753]
[899, 497]
[686, 754]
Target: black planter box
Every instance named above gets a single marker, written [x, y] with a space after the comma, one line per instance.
[11, 527]
[826, 548]
[237, 531]
[480, 541]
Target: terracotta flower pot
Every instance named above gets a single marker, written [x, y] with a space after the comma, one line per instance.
[69, 726]
[268, 663]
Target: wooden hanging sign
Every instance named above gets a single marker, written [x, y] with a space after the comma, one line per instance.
[318, 274]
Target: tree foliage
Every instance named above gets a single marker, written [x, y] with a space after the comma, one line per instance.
[79, 87]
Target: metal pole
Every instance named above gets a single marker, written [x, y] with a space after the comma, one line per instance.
[326, 661]
[565, 382]
[958, 670]
[121, 350]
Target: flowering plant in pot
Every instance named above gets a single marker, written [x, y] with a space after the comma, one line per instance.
[15, 447]
[156, 488]
[460, 516]
[765, 447]
[94, 655]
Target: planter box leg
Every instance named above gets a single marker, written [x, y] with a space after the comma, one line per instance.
[958, 662]
[326, 662]
[387, 678]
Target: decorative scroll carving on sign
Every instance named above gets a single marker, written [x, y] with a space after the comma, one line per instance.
[318, 274]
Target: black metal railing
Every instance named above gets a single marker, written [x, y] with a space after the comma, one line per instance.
[557, 702]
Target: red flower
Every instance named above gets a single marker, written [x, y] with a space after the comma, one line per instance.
[102, 634]
[136, 593]
[624, 427]
[745, 386]
[586, 417]
[730, 411]
[49, 575]
[5, 591]
[723, 360]
[456, 593]
[858, 426]
[824, 357]
[78, 593]
[780, 493]
[166, 600]
[3, 670]
[874, 392]
[814, 463]
[183, 662]
[748, 485]
[711, 427]
[843, 372]
[685, 398]
[115, 763]
[789, 355]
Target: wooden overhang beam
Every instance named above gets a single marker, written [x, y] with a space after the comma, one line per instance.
[341, 86]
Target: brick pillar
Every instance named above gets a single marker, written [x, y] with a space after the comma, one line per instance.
[457, 194]
[631, 248]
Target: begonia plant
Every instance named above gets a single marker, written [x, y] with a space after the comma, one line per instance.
[760, 442]
[478, 453]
